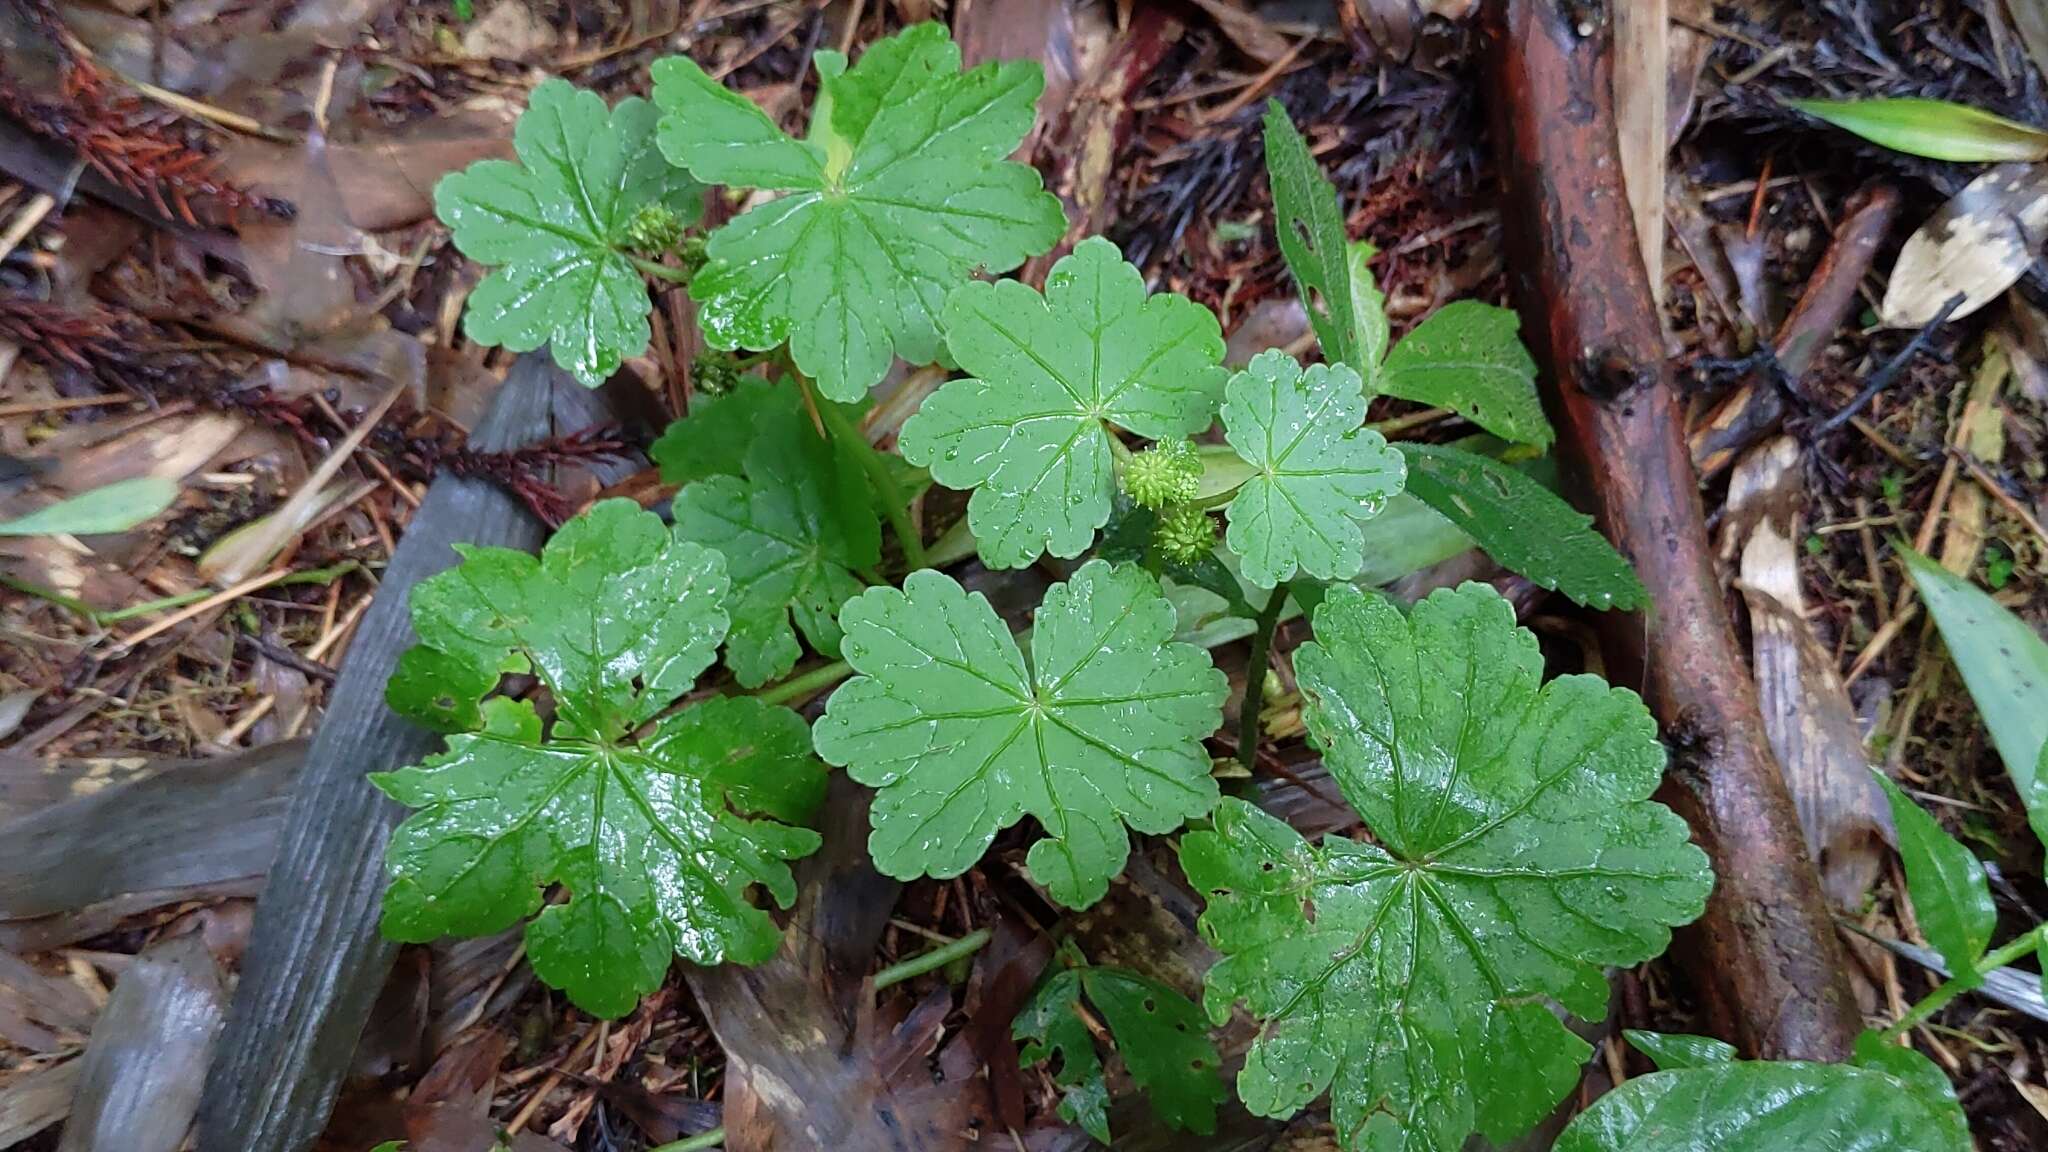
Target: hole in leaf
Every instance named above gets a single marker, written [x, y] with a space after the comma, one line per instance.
[1151, 1005]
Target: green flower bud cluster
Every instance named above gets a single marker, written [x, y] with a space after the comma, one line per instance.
[1185, 534]
[1165, 474]
[656, 228]
[714, 373]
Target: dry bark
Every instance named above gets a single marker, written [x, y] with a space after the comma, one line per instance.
[1765, 956]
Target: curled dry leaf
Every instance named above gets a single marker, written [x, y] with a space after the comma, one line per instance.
[1979, 244]
[1807, 713]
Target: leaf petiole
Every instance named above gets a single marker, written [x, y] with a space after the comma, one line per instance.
[894, 505]
[933, 960]
[658, 270]
[1255, 679]
[801, 687]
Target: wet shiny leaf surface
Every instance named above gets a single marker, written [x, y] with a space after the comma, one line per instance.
[1517, 856]
[1029, 430]
[902, 190]
[1103, 730]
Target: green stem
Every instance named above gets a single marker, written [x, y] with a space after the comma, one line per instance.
[1255, 679]
[894, 504]
[1955, 986]
[930, 961]
[659, 270]
[1399, 424]
[805, 685]
[1216, 500]
[953, 545]
[697, 1143]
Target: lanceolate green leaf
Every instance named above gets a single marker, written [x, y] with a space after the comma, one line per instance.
[1318, 472]
[1310, 228]
[1160, 1033]
[2005, 664]
[1468, 357]
[1523, 525]
[554, 226]
[1516, 855]
[1936, 129]
[1951, 897]
[1029, 431]
[793, 532]
[1767, 1107]
[115, 507]
[1670, 1051]
[1104, 728]
[906, 196]
[657, 841]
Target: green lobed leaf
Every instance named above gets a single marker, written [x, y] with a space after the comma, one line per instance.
[1524, 525]
[1517, 855]
[905, 196]
[1468, 357]
[554, 226]
[1160, 1033]
[1672, 1050]
[1052, 1024]
[1029, 431]
[1318, 472]
[2004, 663]
[794, 533]
[713, 439]
[1309, 225]
[656, 840]
[1951, 897]
[1791, 1106]
[1104, 729]
[1936, 129]
[115, 507]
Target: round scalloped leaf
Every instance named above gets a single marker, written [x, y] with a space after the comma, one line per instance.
[555, 226]
[1517, 855]
[1317, 471]
[912, 195]
[962, 740]
[1028, 431]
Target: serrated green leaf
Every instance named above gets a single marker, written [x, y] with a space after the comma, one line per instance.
[1517, 854]
[2004, 663]
[1052, 1024]
[1103, 730]
[1160, 1033]
[852, 267]
[115, 507]
[1309, 224]
[1936, 129]
[1766, 1107]
[1951, 897]
[1029, 430]
[554, 226]
[655, 840]
[713, 439]
[1317, 471]
[794, 534]
[1468, 357]
[1671, 1051]
[1523, 525]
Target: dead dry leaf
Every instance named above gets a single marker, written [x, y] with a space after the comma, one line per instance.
[1808, 716]
[508, 30]
[1979, 244]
